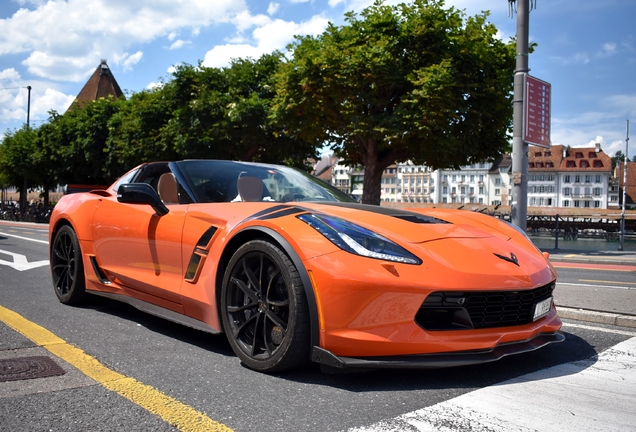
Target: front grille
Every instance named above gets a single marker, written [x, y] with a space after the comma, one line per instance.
[452, 310]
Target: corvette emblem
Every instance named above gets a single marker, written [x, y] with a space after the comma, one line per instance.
[512, 258]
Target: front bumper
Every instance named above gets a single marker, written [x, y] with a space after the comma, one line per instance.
[336, 363]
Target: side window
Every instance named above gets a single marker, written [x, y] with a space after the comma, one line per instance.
[125, 179]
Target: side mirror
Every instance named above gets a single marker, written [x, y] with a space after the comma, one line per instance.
[141, 193]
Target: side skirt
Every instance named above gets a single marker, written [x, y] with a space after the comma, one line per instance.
[158, 311]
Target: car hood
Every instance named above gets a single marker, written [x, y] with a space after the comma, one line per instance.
[408, 226]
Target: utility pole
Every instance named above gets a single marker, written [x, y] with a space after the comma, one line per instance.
[620, 246]
[519, 204]
[25, 185]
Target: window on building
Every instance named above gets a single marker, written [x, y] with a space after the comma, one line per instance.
[577, 179]
[547, 153]
[597, 179]
[592, 155]
[598, 164]
[566, 203]
[578, 155]
[533, 202]
[597, 191]
[597, 204]
[497, 192]
[497, 181]
[587, 203]
[570, 164]
[577, 203]
[566, 179]
[584, 164]
[550, 177]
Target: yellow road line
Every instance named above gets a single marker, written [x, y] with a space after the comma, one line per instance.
[178, 414]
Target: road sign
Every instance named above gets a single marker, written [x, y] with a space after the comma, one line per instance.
[536, 130]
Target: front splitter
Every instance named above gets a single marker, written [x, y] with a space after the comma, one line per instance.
[336, 363]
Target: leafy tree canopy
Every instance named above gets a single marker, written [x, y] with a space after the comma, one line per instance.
[409, 82]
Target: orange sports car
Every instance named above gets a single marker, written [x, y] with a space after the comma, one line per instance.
[291, 269]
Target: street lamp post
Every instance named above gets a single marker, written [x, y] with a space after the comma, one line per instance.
[519, 204]
[25, 186]
[622, 242]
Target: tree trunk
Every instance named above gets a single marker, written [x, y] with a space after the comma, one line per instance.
[375, 162]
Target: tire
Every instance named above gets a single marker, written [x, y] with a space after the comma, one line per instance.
[67, 267]
[264, 308]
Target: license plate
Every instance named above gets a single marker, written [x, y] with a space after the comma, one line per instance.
[542, 308]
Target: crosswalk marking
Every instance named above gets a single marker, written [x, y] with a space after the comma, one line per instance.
[563, 398]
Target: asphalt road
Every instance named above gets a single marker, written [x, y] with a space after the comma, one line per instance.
[200, 371]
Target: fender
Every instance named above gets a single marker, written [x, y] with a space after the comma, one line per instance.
[302, 271]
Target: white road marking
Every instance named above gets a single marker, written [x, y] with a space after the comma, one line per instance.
[23, 238]
[595, 286]
[601, 329]
[20, 262]
[598, 393]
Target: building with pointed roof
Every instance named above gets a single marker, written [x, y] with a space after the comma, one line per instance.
[101, 84]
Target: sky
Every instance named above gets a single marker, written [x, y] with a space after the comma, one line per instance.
[586, 51]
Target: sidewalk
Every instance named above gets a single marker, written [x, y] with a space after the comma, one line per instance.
[584, 302]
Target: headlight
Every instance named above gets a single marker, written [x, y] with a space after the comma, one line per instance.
[358, 240]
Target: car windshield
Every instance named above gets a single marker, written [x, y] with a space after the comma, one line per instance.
[226, 181]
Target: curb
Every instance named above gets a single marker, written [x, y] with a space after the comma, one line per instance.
[593, 261]
[616, 319]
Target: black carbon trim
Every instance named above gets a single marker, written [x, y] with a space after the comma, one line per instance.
[99, 272]
[287, 212]
[434, 361]
[388, 211]
[199, 254]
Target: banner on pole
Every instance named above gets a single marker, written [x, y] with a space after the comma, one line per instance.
[537, 97]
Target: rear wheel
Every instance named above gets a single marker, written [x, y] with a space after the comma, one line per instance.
[264, 308]
[67, 267]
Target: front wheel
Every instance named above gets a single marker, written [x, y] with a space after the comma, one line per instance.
[67, 267]
[264, 308]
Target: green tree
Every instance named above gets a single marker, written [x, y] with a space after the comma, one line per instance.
[77, 143]
[414, 81]
[137, 131]
[16, 160]
[223, 113]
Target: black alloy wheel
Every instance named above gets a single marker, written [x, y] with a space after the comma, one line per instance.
[67, 267]
[264, 308]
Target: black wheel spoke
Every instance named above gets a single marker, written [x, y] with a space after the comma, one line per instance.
[276, 320]
[243, 286]
[259, 311]
[247, 323]
[278, 303]
[253, 280]
[234, 309]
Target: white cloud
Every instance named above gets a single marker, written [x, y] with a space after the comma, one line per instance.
[10, 75]
[131, 60]
[574, 59]
[69, 35]
[272, 35]
[179, 43]
[13, 104]
[273, 8]
[608, 49]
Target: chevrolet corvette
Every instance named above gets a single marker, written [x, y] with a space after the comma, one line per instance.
[292, 270]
